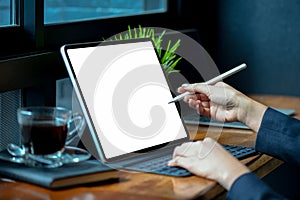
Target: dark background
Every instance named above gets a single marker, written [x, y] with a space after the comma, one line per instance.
[264, 34]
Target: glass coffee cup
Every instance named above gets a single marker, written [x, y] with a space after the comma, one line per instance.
[46, 130]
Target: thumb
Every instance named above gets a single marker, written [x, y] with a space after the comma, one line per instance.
[183, 162]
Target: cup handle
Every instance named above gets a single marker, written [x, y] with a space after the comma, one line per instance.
[79, 122]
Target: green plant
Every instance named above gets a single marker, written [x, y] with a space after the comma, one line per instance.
[168, 58]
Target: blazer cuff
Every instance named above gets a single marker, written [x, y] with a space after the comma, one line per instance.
[249, 186]
[279, 136]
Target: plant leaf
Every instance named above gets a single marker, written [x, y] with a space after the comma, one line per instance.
[168, 57]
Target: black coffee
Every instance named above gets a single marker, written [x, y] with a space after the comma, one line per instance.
[44, 138]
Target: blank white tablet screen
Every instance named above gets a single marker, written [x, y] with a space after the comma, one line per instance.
[127, 96]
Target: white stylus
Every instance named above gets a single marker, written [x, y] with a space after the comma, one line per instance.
[212, 81]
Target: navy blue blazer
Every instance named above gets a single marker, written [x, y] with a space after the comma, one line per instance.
[278, 136]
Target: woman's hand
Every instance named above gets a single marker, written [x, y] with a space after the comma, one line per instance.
[209, 159]
[223, 103]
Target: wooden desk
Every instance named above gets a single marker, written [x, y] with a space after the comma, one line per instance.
[134, 185]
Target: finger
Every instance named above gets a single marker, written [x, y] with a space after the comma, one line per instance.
[202, 97]
[197, 87]
[221, 84]
[188, 97]
[205, 104]
[180, 162]
[206, 112]
[218, 112]
[213, 111]
[179, 150]
[201, 110]
[192, 103]
[186, 149]
[173, 162]
[181, 90]
[196, 96]
[176, 151]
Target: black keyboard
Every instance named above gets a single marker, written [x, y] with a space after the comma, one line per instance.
[159, 165]
[240, 152]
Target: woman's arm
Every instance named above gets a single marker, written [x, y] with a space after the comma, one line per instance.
[209, 159]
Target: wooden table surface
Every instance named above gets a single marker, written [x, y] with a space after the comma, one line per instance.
[136, 185]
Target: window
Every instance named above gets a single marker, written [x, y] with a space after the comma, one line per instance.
[28, 26]
[57, 11]
[32, 31]
[8, 12]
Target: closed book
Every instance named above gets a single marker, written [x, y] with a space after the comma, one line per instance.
[67, 175]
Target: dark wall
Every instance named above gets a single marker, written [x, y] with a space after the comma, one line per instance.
[265, 34]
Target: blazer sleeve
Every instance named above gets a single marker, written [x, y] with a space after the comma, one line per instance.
[279, 136]
[249, 186]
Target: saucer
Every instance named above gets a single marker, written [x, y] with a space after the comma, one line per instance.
[74, 155]
[70, 155]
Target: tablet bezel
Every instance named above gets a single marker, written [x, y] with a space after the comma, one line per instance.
[99, 150]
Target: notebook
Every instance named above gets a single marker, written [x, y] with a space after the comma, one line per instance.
[68, 175]
[124, 94]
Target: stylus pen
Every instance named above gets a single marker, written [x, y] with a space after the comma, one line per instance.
[212, 81]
